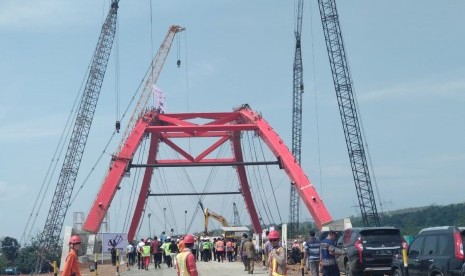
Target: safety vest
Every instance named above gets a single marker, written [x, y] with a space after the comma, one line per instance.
[181, 261]
[274, 266]
[145, 251]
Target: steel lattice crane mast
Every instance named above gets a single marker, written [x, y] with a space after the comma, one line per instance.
[237, 218]
[298, 90]
[347, 108]
[50, 236]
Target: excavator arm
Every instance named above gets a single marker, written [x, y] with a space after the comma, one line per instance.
[207, 214]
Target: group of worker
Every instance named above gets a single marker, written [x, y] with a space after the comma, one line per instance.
[183, 259]
[321, 255]
[318, 255]
[217, 250]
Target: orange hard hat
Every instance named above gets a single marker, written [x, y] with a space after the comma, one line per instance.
[75, 239]
[273, 235]
[189, 239]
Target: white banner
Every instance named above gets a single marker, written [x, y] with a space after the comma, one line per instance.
[119, 240]
[159, 98]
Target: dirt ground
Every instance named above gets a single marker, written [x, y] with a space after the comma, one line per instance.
[110, 270]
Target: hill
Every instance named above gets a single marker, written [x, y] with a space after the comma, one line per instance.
[411, 220]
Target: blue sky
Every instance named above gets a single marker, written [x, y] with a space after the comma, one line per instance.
[406, 60]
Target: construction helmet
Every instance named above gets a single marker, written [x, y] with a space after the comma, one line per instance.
[274, 235]
[75, 239]
[188, 239]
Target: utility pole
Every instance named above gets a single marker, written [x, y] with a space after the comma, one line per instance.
[150, 229]
[164, 217]
[185, 225]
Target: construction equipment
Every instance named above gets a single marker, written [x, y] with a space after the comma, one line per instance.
[347, 108]
[50, 237]
[121, 158]
[207, 214]
[237, 218]
[298, 90]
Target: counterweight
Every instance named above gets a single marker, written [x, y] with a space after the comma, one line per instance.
[347, 108]
[298, 90]
[51, 234]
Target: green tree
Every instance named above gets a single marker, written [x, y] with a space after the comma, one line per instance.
[3, 263]
[10, 247]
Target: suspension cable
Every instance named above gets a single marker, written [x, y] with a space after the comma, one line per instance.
[271, 185]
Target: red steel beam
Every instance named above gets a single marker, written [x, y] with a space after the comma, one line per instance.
[145, 187]
[305, 188]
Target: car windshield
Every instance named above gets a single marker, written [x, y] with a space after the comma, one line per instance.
[381, 236]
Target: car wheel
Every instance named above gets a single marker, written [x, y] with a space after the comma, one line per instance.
[397, 272]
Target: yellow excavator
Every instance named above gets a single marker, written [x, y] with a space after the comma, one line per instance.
[207, 214]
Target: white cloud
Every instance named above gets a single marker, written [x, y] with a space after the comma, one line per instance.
[38, 14]
[450, 89]
[30, 129]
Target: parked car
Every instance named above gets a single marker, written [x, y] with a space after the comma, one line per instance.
[11, 271]
[368, 250]
[435, 251]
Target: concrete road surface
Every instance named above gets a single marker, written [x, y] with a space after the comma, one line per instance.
[205, 269]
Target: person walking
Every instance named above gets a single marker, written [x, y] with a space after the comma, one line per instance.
[242, 252]
[140, 262]
[174, 250]
[166, 250]
[249, 248]
[154, 249]
[145, 254]
[71, 267]
[277, 257]
[220, 250]
[195, 249]
[267, 249]
[312, 254]
[328, 255]
[206, 250]
[229, 250]
[185, 260]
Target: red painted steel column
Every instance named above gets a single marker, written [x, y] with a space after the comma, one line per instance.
[114, 176]
[245, 188]
[305, 188]
[144, 189]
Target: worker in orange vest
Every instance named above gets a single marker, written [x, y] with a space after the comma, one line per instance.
[72, 265]
[277, 256]
[185, 260]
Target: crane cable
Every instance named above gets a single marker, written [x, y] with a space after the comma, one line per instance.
[316, 104]
[54, 161]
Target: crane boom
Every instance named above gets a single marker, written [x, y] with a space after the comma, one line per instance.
[347, 108]
[51, 234]
[105, 196]
[298, 90]
[157, 66]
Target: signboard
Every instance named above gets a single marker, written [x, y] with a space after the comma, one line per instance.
[119, 240]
